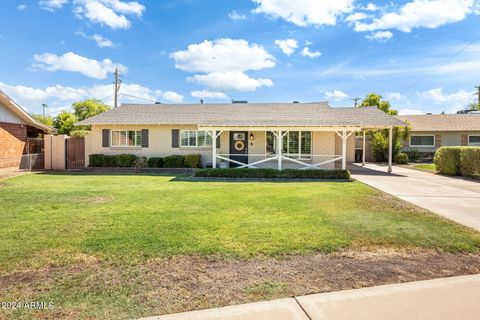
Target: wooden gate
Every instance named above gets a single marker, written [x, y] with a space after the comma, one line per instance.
[75, 153]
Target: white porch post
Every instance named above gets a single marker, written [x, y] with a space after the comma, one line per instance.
[214, 149]
[390, 147]
[344, 150]
[363, 149]
[279, 149]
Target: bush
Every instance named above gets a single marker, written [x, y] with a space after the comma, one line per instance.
[175, 161]
[96, 160]
[125, 160]
[273, 173]
[470, 162]
[155, 162]
[447, 160]
[401, 158]
[379, 147]
[79, 133]
[413, 155]
[193, 161]
[140, 162]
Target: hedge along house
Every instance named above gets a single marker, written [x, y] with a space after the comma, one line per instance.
[430, 132]
[275, 135]
[20, 136]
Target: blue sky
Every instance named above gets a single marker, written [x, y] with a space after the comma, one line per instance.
[417, 53]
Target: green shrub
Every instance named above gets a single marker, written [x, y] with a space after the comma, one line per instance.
[155, 162]
[470, 162]
[140, 162]
[96, 160]
[193, 161]
[79, 133]
[175, 161]
[447, 160]
[401, 158]
[413, 155]
[273, 173]
[125, 160]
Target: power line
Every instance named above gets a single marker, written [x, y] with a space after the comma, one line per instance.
[441, 65]
[140, 98]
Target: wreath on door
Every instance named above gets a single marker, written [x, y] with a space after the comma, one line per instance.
[239, 145]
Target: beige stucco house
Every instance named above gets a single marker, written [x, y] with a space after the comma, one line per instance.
[277, 135]
[429, 132]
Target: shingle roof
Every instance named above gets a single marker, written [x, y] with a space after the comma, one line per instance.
[245, 114]
[443, 122]
[21, 113]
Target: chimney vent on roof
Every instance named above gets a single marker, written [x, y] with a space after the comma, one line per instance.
[239, 101]
[429, 113]
[158, 102]
[201, 101]
[296, 102]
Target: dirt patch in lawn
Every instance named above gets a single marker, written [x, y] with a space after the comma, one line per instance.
[185, 283]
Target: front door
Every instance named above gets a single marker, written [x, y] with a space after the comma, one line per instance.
[238, 147]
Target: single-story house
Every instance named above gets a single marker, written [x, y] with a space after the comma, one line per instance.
[432, 131]
[277, 135]
[18, 133]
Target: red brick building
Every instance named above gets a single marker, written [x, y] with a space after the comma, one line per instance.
[16, 127]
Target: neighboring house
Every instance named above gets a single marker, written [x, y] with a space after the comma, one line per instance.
[16, 128]
[311, 135]
[429, 132]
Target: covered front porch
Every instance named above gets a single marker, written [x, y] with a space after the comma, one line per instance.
[287, 147]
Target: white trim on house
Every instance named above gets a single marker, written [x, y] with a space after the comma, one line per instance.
[473, 135]
[418, 145]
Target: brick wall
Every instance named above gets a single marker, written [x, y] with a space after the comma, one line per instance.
[12, 144]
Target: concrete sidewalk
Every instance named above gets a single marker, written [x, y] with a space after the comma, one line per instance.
[454, 198]
[448, 298]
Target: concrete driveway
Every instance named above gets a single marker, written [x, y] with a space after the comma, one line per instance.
[454, 198]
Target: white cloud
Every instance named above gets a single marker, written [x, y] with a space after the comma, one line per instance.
[421, 13]
[73, 62]
[394, 96]
[206, 94]
[52, 5]
[453, 101]
[170, 96]
[21, 7]
[99, 40]
[223, 55]
[60, 97]
[371, 7]
[307, 53]
[111, 13]
[305, 13]
[357, 16]
[230, 81]
[380, 35]
[403, 112]
[224, 63]
[234, 15]
[336, 95]
[287, 46]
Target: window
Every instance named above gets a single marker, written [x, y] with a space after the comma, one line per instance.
[296, 144]
[126, 138]
[193, 138]
[474, 140]
[422, 141]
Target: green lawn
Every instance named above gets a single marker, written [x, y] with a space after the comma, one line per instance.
[426, 166]
[65, 222]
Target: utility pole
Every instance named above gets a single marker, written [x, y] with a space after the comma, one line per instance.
[355, 100]
[116, 87]
[44, 107]
[478, 95]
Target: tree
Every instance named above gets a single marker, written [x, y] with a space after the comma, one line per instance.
[88, 108]
[47, 120]
[375, 100]
[473, 106]
[64, 122]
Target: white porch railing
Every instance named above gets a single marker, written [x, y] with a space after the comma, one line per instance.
[274, 158]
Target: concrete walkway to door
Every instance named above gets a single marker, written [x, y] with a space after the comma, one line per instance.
[454, 198]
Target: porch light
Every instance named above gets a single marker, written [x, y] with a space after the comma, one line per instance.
[252, 137]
